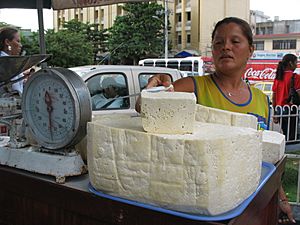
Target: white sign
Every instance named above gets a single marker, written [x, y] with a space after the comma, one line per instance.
[268, 55]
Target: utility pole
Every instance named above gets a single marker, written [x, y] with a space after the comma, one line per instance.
[166, 29]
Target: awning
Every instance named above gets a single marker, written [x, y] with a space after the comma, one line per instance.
[187, 53]
[67, 4]
[24, 4]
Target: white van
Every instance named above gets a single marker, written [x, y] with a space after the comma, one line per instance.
[124, 80]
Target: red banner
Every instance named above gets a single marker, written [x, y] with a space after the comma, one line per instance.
[261, 70]
[68, 4]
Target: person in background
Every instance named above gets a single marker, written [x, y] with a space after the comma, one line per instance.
[281, 90]
[10, 45]
[232, 46]
[107, 98]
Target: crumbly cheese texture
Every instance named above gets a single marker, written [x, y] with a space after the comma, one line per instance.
[273, 146]
[212, 115]
[208, 172]
[168, 112]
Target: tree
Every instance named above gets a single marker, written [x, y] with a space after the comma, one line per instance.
[98, 38]
[138, 34]
[68, 48]
[31, 44]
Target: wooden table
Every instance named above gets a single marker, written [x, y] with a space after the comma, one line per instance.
[32, 199]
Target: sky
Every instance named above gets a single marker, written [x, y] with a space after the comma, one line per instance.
[27, 18]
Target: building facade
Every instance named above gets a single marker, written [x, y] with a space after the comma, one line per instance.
[191, 21]
[278, 36]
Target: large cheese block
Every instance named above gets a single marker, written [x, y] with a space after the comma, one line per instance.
[273, 146]
[213, 115]
[168, 112]
[208, 172]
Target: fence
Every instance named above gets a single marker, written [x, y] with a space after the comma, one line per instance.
[285, 119]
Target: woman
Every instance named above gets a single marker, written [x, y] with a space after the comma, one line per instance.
[281, 90]
[232, 46]
[10, 45]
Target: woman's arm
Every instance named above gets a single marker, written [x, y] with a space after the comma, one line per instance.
[285, 206]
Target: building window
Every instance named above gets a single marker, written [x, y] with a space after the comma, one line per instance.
[96, 16]
[179, 17]
[259, 45]
[284, 44]
[188, 16]
[188, 39]
[119, 10]
[269, 30]
[179, 39]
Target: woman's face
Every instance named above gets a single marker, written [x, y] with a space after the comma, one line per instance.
[15, 45]
[230, 49]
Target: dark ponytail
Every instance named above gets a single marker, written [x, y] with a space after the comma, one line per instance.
[6, 33]
[282, 65]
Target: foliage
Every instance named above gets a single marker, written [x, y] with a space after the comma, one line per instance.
[3, 24]
[92, 33]
[138, 34]
[68, 48]
[290, 179]
[31, 44]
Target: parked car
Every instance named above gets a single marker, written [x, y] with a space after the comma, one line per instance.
[110, 84]
[265, 87]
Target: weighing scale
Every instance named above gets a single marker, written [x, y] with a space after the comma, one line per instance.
[55, 106]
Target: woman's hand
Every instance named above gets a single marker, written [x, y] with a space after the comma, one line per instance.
[154, 81]
[159, 80]
[286, 215]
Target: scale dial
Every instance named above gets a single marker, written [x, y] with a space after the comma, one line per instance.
[56, 106]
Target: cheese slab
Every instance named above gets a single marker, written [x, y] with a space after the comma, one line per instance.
[208, 172]
[168, 112]
[213, 115]
[273, 146]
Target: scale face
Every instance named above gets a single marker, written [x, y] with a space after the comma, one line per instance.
[56, 106]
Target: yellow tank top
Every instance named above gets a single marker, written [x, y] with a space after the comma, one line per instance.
[209, 94]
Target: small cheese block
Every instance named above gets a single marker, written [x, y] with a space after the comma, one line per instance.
[168, 112]
[273, 146]
[213, 115]
[208, 172]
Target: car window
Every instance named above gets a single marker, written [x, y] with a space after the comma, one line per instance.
[268, 87]
[259, 86]
[106, 91]
[144, 77]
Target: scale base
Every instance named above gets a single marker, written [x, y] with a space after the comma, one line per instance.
[31, 159]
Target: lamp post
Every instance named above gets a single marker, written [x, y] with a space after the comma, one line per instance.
[166, 29]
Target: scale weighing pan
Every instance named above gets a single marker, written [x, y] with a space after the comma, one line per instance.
[11, 66]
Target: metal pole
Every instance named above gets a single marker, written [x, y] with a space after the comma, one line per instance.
[166, 29]
[39, 5]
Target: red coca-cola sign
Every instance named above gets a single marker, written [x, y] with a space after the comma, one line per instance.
[266, 73]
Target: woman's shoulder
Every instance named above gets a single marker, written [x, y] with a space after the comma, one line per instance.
[258, 94]
[203, 79]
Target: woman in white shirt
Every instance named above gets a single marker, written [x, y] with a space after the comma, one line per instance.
[10, 45]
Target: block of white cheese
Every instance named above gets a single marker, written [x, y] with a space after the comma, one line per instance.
[208, 172]
[168, 112]
[213, 115]
[273, 146]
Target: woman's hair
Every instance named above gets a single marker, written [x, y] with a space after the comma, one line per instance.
[6, 33]
[282, 65]
[245, 27]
